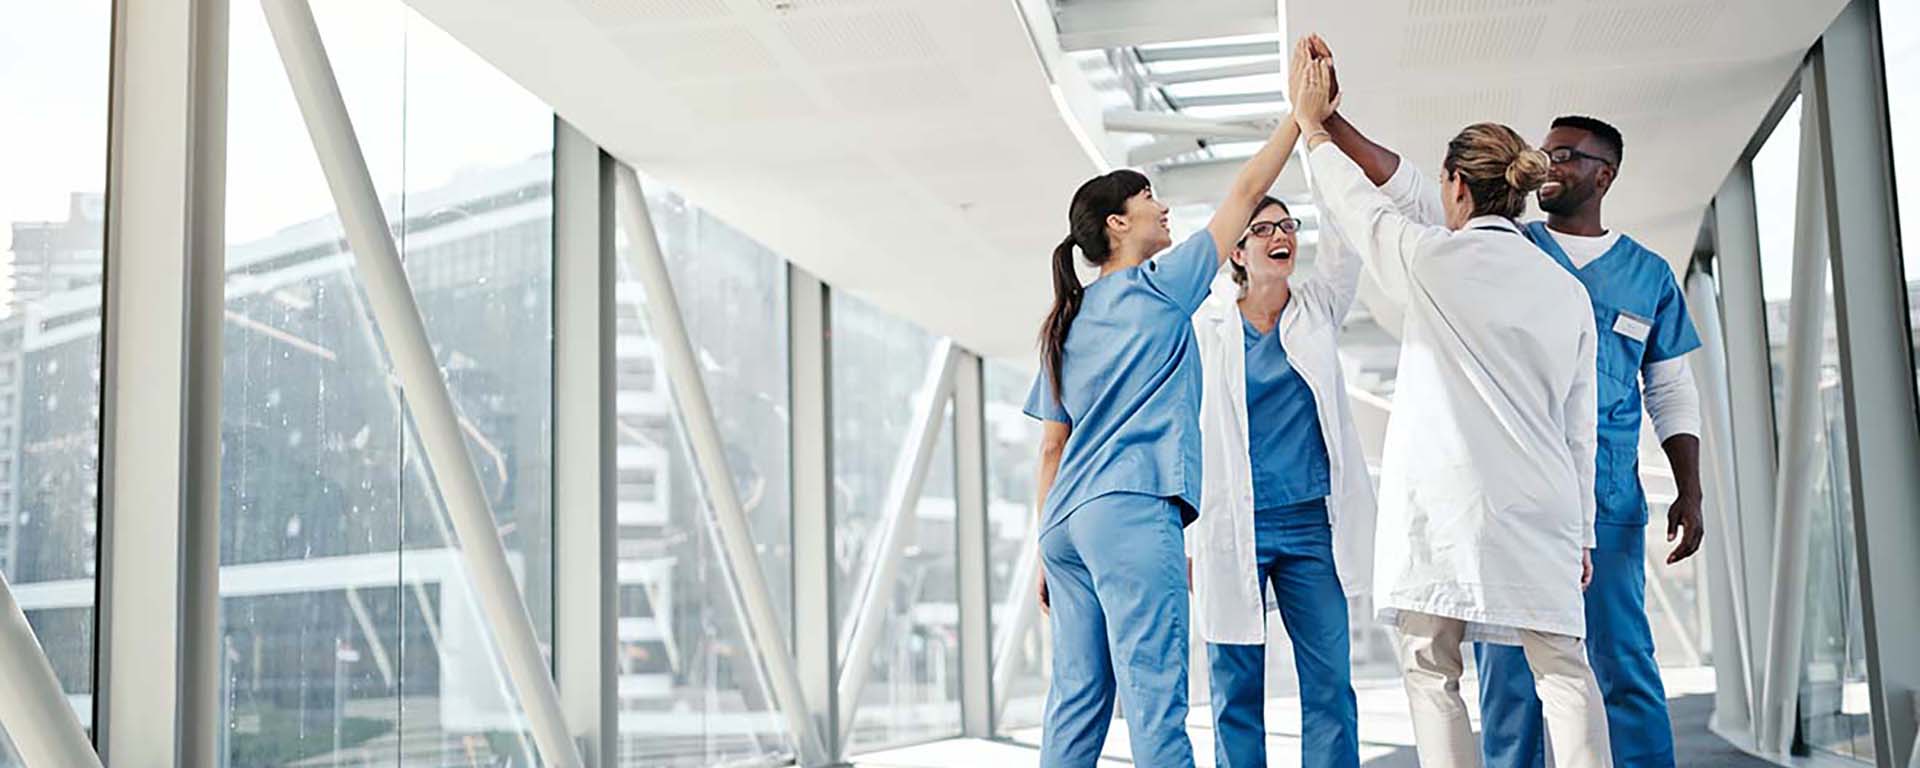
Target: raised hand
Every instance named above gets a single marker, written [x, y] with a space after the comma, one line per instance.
[1315, 102]
[1297, 67]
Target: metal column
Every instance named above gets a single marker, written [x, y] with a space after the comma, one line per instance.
[1749, 377]
[974, 550]
[1799, 454]
[1876, 355]
[585, 524]
[1726, 574]
[816, 647]
[156, 689]
[703, 439]
[391, 299]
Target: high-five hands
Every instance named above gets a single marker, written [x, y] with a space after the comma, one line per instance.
[1315, 101]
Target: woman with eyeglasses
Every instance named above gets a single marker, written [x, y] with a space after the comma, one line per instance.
[1288, 501]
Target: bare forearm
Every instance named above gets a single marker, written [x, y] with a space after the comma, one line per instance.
[1683, 455]
[1043, 481]
[1376, 161]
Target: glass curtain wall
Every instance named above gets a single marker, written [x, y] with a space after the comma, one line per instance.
[1013, 452]
[1833, 697]
[55, 60]
[878, 367]
[351, 634]
[692, 690]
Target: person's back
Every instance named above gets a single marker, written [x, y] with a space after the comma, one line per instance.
[1486, 491]
[1516, 321]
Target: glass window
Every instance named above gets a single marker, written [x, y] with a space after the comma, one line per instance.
[1900, 40]
[879, 366]
[1832, 697]
[692, 688]
[1013, 451]
[54, 59]
[350, 631]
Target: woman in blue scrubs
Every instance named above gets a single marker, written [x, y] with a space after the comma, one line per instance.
[1119, 476]
[1288, 501]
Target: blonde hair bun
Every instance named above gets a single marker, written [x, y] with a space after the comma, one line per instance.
[1528, 170]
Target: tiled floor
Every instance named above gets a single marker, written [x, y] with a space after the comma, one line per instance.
[1386, 734]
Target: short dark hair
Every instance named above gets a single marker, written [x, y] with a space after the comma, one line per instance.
[1607, 134]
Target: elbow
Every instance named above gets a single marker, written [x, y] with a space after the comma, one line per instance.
[1052, 449]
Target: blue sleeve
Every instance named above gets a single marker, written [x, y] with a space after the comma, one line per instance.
[1042, 405]
[1673, 333]
[1185, 272]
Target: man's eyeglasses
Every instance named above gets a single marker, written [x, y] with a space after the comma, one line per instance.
[1566, 155]
[1265, 229]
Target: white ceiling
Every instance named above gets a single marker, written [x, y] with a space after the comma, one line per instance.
[920, 153]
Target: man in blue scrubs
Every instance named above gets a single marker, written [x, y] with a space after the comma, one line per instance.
[1642, 317]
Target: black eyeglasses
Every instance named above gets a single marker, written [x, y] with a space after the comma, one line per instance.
[1566, 155]
[1264, 229]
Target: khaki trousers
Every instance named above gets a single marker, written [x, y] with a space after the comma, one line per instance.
[1430, 664]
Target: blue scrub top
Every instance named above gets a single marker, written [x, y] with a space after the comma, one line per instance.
[1284, 444]
[1130, 385]
[1642, 318]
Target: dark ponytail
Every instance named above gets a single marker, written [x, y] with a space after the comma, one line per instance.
[1100, 197]
[1066, 303]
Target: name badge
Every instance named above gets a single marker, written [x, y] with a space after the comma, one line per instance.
[1632, 326]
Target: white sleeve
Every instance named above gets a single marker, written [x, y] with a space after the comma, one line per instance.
[1582, 417]
[1415, 195]
[1671, 398]
[1367, 220]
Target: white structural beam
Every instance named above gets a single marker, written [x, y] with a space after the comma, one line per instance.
[585, 523]
[1176, 124]
[1727, 599]
[810, 429]
[709, 455]
[1749, 390]
[1876, 354]
[34, 710]
[869, 610]
[1206, 180]
[1266, 66]
[973, 550]
[1161, 150]
[1800, 453]
[401, 326]
[1093, 24]
[155, 693]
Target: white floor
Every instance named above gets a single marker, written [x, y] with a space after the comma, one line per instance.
[1384, 730]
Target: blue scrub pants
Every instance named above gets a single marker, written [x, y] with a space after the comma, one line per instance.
[1294, 546]
[1117, 583]
[1620, 649]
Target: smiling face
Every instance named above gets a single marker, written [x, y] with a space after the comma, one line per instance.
[1583, 175]
[1268, 257]
[1143, 224]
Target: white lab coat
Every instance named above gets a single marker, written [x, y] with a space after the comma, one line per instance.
[1228, 593]
[1486, 489]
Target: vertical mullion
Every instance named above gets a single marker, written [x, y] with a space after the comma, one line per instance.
[972, 552]
[583, 442]
[815, 633]
[156, 691]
